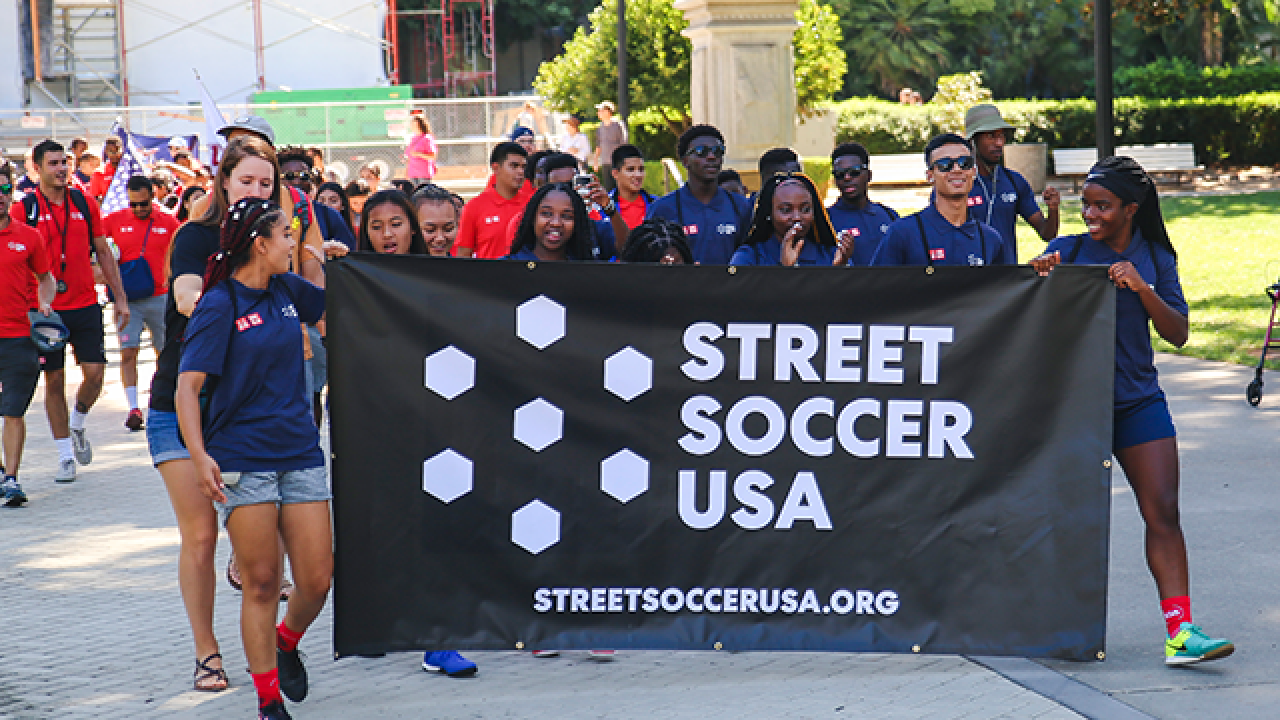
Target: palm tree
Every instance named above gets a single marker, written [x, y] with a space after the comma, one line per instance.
[901, 43]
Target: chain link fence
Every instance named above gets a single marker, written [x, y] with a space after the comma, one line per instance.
[351, 134]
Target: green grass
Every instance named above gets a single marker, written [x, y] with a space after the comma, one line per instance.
[1228, 253]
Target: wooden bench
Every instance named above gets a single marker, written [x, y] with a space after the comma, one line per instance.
[1166, 159]
[899, 169]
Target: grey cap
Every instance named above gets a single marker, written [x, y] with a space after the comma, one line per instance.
[252, 123]
[983, 118]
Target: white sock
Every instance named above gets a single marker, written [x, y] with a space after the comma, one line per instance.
[64, 448]
[132, 394]
[77, 419]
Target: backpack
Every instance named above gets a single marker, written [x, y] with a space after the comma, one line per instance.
[31, 210]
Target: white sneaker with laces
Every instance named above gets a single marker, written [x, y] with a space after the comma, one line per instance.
[66, 471]
[80, 444]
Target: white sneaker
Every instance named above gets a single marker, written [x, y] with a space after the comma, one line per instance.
[80, 443]
[66, 471]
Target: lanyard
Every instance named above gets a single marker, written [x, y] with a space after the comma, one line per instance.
[147, 237]
[995, 188]
[63, 228]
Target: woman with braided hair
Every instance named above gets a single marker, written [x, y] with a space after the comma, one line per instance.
[657, 240]
[1127, 233]
[254, 444]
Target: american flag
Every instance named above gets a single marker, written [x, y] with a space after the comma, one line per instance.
[117, 197]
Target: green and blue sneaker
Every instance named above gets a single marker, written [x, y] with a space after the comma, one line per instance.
[1191, 645]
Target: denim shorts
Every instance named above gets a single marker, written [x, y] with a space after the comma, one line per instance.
[1149, 420]
[163, 437]
[281, 488]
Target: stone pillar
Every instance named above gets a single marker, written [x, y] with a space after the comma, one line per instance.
[743, 75]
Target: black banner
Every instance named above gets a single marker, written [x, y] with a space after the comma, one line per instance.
[615, 456]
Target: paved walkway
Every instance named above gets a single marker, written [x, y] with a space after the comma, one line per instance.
[95, 628]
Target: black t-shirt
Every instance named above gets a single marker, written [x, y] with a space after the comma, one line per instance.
[193, 245]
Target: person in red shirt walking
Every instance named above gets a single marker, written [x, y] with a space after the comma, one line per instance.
[485, 219]
[22, 257]
[71, 226]
[141, 231]
[100, 181]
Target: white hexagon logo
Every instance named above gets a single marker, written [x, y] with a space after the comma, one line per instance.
[628, 373]
[535, 527]
[538, 424]
[540, 321]
[624, 475]
[447, 476]
[450, 372]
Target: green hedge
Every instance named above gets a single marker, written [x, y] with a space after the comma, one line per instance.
[1181, 78]
[1237, 131]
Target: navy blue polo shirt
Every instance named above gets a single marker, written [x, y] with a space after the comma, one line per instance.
[259, 416]
[1136, 379]
[712, 229]
[332, 226]
[869, 226]
[1000, 199]
[769, 252]
[973, 243]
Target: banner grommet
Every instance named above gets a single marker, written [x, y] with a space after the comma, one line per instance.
[719, 646]
[532, 265]
[519, 645]
[1102, 655]
[1107, 463]
[915, 648]
[733, 270]
[928, 270]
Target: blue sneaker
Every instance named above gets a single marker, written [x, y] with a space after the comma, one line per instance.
[448, 662]
[11, 493]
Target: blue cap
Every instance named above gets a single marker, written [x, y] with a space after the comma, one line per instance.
[520, 132]
[48, 333]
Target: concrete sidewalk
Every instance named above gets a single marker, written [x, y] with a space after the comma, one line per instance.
[95, 626]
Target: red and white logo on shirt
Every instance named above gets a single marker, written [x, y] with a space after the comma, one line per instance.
[248, 321]
[17, 247]
[975, 200]
[690, 229]
[938, 253]
[493, 219]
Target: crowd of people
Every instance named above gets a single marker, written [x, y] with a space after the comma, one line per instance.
[228, 281]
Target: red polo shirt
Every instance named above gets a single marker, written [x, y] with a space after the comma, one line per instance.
[131, 234]
[485, 221]
[78, 275]
[100, 181]
[22, 256]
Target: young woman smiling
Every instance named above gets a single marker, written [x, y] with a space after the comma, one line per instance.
[790, 227]
[1127, 234]
[555, 227]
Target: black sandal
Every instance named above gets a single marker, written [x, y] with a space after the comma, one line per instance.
[204, 674]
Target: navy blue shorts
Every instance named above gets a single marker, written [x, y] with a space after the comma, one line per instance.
[1146, 421]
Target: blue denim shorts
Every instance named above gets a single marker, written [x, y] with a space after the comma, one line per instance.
[281, 488]
[1149, 420]
[163, 437]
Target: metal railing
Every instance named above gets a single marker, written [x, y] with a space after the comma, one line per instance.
[350, 134]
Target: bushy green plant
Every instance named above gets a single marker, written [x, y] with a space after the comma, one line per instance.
[956, 94]
[819, 171]
[1180, 78]
[1241, 130]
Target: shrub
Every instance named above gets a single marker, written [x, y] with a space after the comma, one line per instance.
[1242, 130]
[819, 171]
[1177, 78]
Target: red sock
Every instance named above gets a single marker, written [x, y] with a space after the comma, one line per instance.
[268, 686]
[1177, 610]
[286, 639]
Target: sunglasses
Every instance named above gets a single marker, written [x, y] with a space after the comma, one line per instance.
[140, 204]
[964, 162]
[297, 176]
[849, 173]
[704, 151]
[6, 188]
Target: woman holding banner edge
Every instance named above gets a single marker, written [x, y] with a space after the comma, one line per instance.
[1121, 209]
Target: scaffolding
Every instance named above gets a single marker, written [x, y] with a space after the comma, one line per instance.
[443, 48]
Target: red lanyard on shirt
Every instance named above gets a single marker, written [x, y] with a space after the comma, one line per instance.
[62, 229]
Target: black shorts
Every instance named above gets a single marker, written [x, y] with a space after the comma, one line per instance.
[19, 373]
[88, 339]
